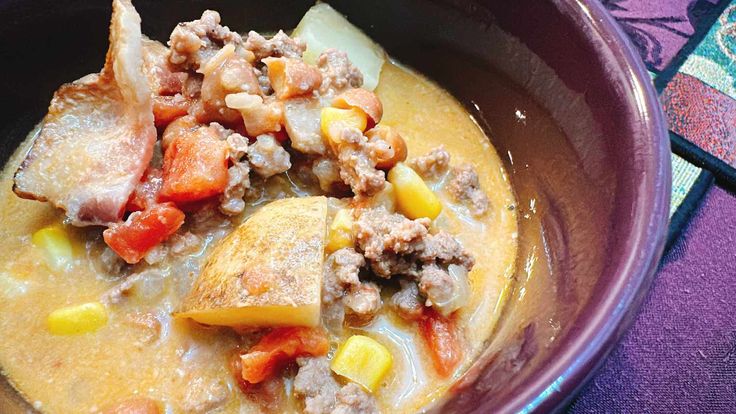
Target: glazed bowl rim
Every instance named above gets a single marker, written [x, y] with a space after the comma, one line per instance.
[554, 388]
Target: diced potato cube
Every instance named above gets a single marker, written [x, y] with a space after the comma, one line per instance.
[322, 28]
[267, 272]
[341, 232]
[57, 246]
[77, 319]
[333, 121]
[362, 360]
[413, 198]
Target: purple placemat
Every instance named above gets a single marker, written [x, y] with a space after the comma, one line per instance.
[680, 354]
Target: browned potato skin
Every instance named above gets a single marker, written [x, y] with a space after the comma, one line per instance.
[363, 99]
[292, 77]
[393, 138]
[267, 272]
[139, 405]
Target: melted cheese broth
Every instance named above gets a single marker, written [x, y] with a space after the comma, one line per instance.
[183, 365]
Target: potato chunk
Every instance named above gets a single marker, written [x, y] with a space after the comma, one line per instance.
[268, 272]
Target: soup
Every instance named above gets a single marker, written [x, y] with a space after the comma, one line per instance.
[293, 224]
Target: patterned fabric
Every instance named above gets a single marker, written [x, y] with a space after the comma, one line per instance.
[703, 115]
[714, 60]
[684, 175]
[659, 29]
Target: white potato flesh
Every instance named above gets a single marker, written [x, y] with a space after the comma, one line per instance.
[322, 28]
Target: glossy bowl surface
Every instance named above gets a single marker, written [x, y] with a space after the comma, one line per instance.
[565, 60]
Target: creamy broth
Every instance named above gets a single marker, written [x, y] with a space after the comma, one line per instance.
[184, 365]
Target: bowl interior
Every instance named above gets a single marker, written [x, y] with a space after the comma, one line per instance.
[555, 91]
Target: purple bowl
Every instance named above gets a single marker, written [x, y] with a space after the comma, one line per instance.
[560, 91]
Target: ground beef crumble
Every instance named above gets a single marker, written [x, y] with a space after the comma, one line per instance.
[464, 187]
[267, 157]
[338, 72]
[323, 395]
[280, 45]
[433, 164]
[193, 43]
[357, 158]
[342, 290]
[397, 246]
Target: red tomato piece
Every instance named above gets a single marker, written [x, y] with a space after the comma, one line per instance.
[440, 335]
[146, 192]
[195, 166]
[281, 346]
[168, 108]
[143, 230]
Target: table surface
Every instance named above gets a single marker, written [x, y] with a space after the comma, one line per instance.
[679, 356]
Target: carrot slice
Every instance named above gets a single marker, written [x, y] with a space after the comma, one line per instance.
[281, 346]
[143, 230]
[195, 166]
[440, 335]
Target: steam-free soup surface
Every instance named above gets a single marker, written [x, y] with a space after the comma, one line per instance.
[144, 351]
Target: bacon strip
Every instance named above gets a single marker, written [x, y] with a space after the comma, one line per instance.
[98, 135]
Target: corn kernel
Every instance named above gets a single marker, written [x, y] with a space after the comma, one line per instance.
[77, 319]
[413, 198]
[56, 245]
[341, 232]
[333, 121]
[362, 360]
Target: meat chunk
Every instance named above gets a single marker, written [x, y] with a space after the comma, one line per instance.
[395, 245]
[342, 287]
[357, 158]
[406, 302]
[351, 399]
[323, 395]
[162, 77]
[445, 249]
[98, 136]
[327, 172]
[267, 157]
[231, 201]
[338, 72]
[464, 187]
[233, 75]
[432, 164]
[390, 240]
[193, 43]
[362, 302]
[280, 45]
[315, 384]
[445, 290]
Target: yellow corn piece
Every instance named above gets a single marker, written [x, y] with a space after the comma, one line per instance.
[77, 319]
[56, 244]
[413, 198]
[362, 360]
[341, 232]
[334, 120]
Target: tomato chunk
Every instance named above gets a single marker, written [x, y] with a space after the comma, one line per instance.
[168, 108]
[146, 192]
[281, 346]
[195, 166]
[440, 335]
[143, 230]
